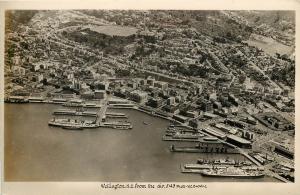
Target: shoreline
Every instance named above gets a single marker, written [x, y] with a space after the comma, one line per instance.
[165, 118]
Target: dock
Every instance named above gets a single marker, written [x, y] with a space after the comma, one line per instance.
[170, 138]
[206, 149]
[74, 113]
[115, 115]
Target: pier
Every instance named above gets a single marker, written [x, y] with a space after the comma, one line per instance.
[101, 113]
[170, 138]
[211, 148]
[116, 115]
[74, 113]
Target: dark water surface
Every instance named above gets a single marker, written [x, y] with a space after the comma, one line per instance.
[36, 152]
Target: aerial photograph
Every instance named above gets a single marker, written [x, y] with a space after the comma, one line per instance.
[149, 95]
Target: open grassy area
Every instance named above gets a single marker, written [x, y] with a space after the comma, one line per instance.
[269, 45]
[112, 30]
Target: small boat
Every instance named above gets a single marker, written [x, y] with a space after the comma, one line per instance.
[145, 123]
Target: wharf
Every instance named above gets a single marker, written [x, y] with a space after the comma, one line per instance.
[250, 158]
[111, 116]
[170, 138]
[203, 150]
[117, 125]
[129, 106]
[74, 113]
[115, 115]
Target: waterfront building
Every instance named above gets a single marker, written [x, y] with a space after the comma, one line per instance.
[226, 129]
[195, 123]
[192, 114]
[248, 135]
[117, 101]
[279, 149]
[120, 93]
[171, 109]
[249, 120]
[138, 96]
[102, 85]
[274, 121]
[235, 123]
[214, 132]
[238, 141]
[154, 102]
[100, 94]
[180, 118]
[88, 95]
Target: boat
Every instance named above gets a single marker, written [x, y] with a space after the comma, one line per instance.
[122, 127]
[145, 123]
[232, 172]
[67, 123]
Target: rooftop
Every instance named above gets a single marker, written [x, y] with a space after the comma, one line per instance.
[238, 139]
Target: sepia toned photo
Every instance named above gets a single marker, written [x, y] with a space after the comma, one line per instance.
[149, 95]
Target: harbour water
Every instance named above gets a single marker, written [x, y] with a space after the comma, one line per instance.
[36, 152]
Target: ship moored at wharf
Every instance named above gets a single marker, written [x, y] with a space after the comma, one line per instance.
[233, 173]
[69, 123]
[81, 104]
[76, 124]
[224, 168]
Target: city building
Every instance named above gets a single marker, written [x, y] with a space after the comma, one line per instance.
[247, 135]
[274, 121]
[238, 141]
[154, 102]
[150, 81]
[161, 85]
[206, 106]
[138, 96]
[180, 118]
[100, 94]
[171, 101]
[102, 85]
